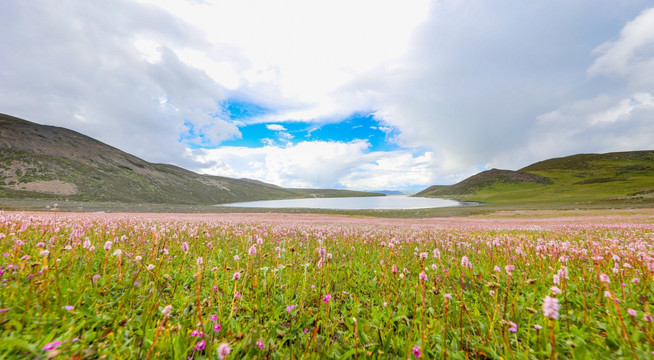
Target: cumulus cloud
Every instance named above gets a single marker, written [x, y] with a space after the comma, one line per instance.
[86, 66]
[321, 164]
[275, 127]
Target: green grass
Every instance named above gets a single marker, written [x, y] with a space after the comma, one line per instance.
[615, 179]
[95, 286]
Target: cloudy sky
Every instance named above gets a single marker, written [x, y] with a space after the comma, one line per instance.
[360, 94]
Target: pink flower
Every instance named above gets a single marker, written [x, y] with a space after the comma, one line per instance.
[237, 275]
[513, 327]
[51, 346]
[290, 308]
[200, 345]
[326, 298]
[537, 327]
[213, 317]
[107, 245]
[260, 344]
[252, 250]
[631, 312]
[223, 350]
[394, 269]
[166, 310]
[605, 279]
[465, 262]
[69, 307]
[509, 269]
[216, 327]
[422, 276]
[199, 261]
[448, 296]
[185, 246]
[551, 307]
[416, 351]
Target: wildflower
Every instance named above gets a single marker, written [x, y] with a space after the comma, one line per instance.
[25, 257]
[631, 312]
[252, 250]
[4, 310]
[87, 243]
[555, 290]
[96, 276]
[166, 310]
[496, 268]
[509, 269]
[213, 317]
[185, 246]
[551, 307]
[118, 252]
[69, 307]
[635, 280]
[199, 261]
[290, 308]
[537, 327]
[150, 267]
[648, 318]
[416, 351]
[260, 344]
[434, 267]
[326, 298]
[216, 327]
[605, 279]
[138, 258]
[236, 258]
[197, 333]
[394, 269]
[237, 275]
[44, 253]
[465, 262]
[107, 245]
[607, 294]
[223, 350]
[423, 255]
[448, 296]
[237, 295]
[422, 276]
[51, 346]
[200, 345]
[491, 292]
[513, 327]
[68, 247]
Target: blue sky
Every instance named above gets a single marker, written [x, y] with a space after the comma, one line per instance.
[368, 95]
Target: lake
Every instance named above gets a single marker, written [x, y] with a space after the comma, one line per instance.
[392, 202]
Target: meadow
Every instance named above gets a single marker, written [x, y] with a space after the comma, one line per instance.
[289, 286]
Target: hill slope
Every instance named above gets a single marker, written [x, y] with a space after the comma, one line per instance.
[38, 161]
[612, 178]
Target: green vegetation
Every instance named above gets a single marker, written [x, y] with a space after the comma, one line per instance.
[613, 179]
[84, 286]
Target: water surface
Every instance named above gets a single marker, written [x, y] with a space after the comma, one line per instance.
[393, 202]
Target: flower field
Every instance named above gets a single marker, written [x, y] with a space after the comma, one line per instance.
[151, 286]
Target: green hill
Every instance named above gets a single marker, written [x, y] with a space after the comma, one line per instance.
[612, 178]
[46, 162]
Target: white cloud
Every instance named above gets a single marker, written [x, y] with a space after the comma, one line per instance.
[631, 56]
[321, 164]
[275, 127]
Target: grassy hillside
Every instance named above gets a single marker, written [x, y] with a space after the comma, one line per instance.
[46, 162]
[613, 179]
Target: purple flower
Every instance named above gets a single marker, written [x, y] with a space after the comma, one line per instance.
[237, 275]
[4, 310]
[422, 276]
[185, 246]
[216, 327]
[513, 327]
[51, 346]
[416, 351]
[213, 317]
[252, 250]
[69, 307]
[200, 345]
[290, 308]
[260, 344]
[326, 298]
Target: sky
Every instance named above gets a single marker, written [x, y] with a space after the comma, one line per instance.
[356, 94]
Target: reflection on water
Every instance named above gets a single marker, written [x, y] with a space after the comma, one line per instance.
[394, 202]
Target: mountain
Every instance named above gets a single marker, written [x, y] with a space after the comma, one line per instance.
[619, 177]
[47, 162]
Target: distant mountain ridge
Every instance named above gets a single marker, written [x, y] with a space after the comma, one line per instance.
[47, 162]
[617, 177]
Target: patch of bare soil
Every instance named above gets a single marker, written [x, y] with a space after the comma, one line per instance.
[49, 187]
